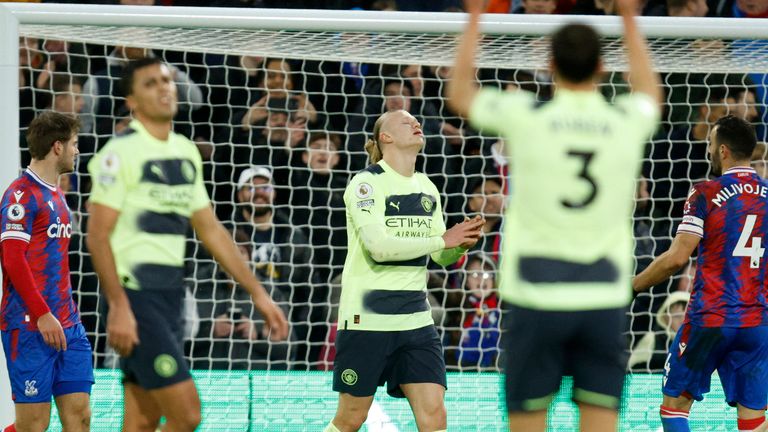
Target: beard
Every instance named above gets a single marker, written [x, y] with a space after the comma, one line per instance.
[257, 210]
[64, 167]
[717, 167]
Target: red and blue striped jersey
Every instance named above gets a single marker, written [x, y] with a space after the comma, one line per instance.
[730, 214]
[36, 212]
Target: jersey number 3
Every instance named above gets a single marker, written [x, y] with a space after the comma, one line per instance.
[754, 252]
[586, 158]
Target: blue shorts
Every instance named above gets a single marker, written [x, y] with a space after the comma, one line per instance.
[38, 371]
[740, 356]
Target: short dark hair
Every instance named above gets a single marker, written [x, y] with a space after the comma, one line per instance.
[718, 95]
[736, 134]
[331, 137]
[46, 129]
[404, 82]
[576, 52]
[60, 83]
[475, 187]
[126, 82]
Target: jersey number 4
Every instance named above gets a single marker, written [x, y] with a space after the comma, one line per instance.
[586, 158]
[754, 252]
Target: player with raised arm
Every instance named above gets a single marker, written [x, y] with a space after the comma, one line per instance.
[567, 252]
[385, 328]
[46, 348]
[147, 191]
[726, 324]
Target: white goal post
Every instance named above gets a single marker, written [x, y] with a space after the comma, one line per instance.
[396, 38]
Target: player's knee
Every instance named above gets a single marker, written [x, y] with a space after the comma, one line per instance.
[350, 421]
[141, 424]
[680, 403]
[186, 421]
[76, 420]
[433, 417]
[33, 423]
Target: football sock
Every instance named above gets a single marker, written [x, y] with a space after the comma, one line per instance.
[674, 420]
[749, 424]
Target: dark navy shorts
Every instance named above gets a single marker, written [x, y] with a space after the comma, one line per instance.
[366, 360]
[158, 359]
[38, 371]
[543, 346]
[740, 356]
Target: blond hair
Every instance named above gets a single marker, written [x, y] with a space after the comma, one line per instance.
[372, 146]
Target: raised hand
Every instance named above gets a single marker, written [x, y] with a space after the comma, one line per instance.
[471, 243]
[464, 233]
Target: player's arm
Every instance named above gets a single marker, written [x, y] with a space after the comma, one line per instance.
[366, 206]
[668, 263]
[122, 330]
[643, 78]
[461, 90]
[446, 257]
[384, 247]
[218, 242]
[17, 267]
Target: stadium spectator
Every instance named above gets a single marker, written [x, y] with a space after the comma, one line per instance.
[677, 8]
[269, 132]
[650, 352]
[30, 62]
[745, 105]
[545, 7]
[479, 323]
[335, 88]
[237, 333]
[278, 84]
[678, 159]
[738, 8]
[426, 5]
[317, 201]
[65, 96]
[486, 198]
[283, 260]
[593, 7]
[62, 57]
[452, 126]
[276, 141]
[234, 85]
[105, 112]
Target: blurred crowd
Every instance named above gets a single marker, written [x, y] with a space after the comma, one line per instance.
[281, 137]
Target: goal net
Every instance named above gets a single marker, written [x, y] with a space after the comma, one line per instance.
[280, 104]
